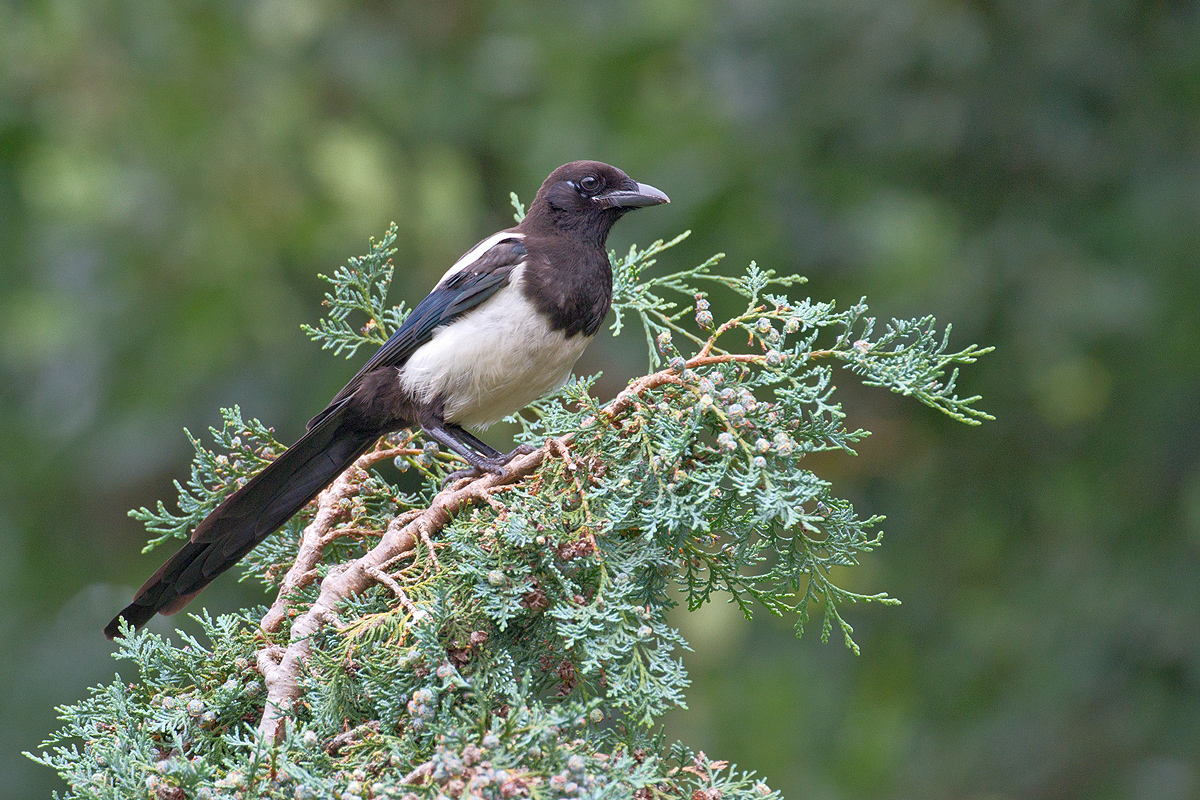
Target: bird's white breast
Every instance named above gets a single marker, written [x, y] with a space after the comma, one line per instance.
[493, 360]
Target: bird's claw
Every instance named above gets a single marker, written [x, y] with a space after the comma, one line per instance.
[496, 465]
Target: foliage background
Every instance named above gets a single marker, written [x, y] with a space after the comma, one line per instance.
[174, 175]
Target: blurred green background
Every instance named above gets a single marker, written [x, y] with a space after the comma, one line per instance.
[174, 175]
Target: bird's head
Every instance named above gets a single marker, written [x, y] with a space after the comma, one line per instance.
[589, 196]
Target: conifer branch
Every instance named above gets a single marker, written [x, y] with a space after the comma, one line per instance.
[281, 667]
[518, 644]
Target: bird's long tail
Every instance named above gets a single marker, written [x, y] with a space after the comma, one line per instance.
[248, 516]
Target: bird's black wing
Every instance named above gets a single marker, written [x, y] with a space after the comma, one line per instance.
[331, 444]
[452, 297]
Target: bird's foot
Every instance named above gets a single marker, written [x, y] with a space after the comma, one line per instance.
[495, 465]
[519, 450]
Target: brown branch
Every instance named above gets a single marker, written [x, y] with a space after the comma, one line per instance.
[621, 403]
[334, 746]
[320, 532]
[281, 666]
[387, 580]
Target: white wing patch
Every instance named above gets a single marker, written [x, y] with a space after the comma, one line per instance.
[472, 255]
[493, 360]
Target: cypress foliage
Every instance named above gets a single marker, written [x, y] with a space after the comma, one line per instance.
[508, 637]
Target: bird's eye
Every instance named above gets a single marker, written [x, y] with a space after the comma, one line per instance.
[589, 183]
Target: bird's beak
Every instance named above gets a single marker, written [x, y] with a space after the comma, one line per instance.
[639, 195]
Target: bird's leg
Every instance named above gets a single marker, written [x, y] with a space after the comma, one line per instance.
[488, 450]
[479, 454]
[471, 440]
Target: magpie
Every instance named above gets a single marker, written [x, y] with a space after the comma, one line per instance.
[503, 327]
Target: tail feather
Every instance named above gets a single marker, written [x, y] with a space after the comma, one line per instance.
[246, 517]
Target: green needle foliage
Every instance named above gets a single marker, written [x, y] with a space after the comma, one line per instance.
[360, 287]
[529, 654]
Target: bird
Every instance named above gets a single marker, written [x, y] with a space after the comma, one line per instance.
[503, 327]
